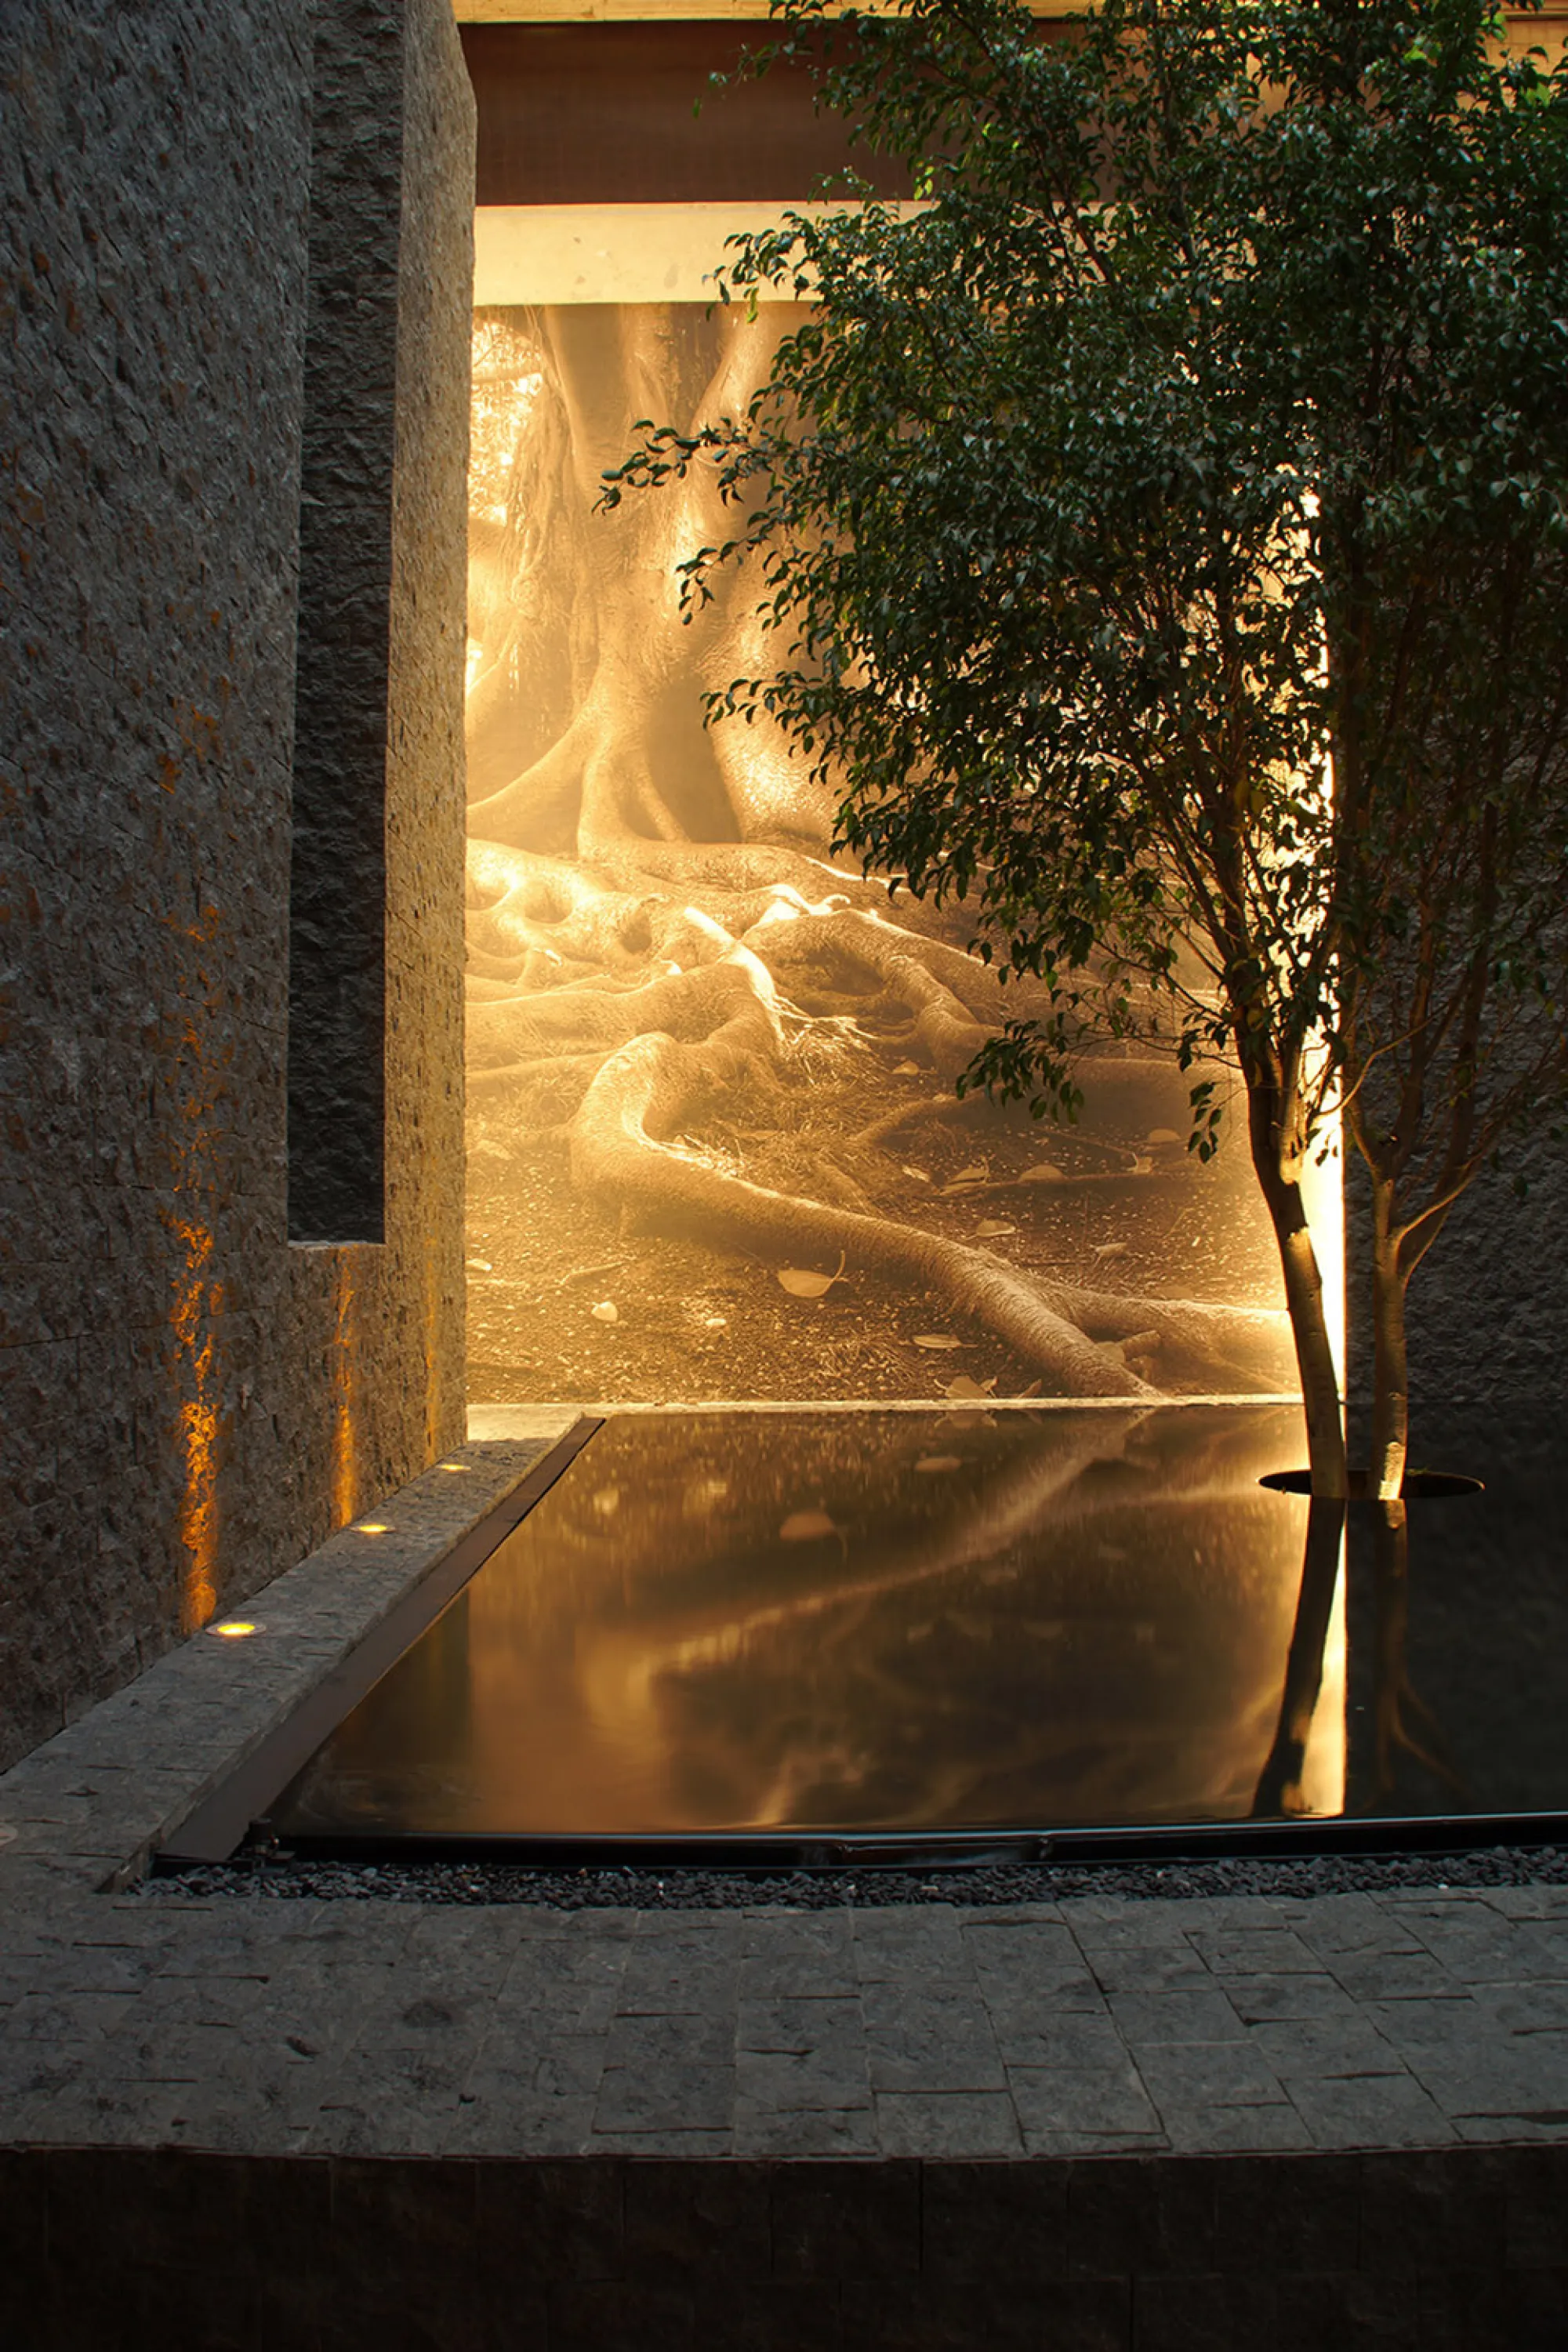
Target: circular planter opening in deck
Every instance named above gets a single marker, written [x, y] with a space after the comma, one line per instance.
[1420, 1485]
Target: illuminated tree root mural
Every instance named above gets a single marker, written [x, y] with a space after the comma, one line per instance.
[715, 1147]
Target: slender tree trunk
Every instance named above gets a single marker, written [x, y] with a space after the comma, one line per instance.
[1390, 1377]
[1303, 1297]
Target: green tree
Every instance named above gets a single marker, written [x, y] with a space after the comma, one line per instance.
[1163, 523]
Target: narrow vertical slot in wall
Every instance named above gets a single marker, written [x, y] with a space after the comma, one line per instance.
[337, 929]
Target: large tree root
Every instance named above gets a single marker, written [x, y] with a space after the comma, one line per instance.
[1139, 1096]
[941, 1026]
[676, 1036]
[646, 1092]
[690, 1005]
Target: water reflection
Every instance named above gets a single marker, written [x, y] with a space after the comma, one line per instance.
[1405, 1729]
[861, 1620]
[1282, 1783]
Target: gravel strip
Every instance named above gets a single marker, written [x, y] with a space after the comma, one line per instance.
[262, 1877]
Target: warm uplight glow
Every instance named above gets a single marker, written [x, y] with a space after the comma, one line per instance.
[345, 1466]
[1323, 1183]
[197, 1298]
[233, 1629]
[451, 1466]
[1323, 1191]
[198, 1502]
[434, 1351]
[373, 1527]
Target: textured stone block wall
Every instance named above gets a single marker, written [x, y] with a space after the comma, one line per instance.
[1464, 2249]
[188, 1402]
[1488, 1305]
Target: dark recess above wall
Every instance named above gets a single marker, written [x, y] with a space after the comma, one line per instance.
[604, 114]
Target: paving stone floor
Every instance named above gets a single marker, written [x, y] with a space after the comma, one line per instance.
[1395, 2020]
[1095, 2027]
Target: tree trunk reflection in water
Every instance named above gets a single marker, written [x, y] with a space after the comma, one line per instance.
[1280, 1789]
[676, 987]
[1402, 1725]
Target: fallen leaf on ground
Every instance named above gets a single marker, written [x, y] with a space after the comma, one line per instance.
[939, 1461]
[906, 1070]
[991, 1228]
[936, 1340]
[1111, 1249]
[918, 1174]
[965, 1387]
[801, 1282]
[806, 1527]
[1033, 1390]
[477, 1266]
[606, 1311]
[1043, 1172]
[1161, 1135]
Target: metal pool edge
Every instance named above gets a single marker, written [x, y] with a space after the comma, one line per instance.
[770, 1851]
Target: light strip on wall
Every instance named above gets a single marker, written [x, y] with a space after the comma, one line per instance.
[614, 253]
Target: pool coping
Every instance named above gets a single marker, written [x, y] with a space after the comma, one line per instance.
[88, 1807]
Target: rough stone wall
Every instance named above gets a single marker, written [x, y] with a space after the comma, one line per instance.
[427, 812]
[188, 1402]
[1488, 1306]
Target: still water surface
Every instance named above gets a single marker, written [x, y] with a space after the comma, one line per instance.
[858, 1622]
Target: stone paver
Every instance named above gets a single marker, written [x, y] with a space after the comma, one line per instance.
[373, 2028]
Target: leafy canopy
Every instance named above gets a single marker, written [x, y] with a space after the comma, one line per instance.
[1163, 523]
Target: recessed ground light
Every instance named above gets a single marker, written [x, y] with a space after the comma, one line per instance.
[451, 1466]
[233, 1629]
[373, 1527]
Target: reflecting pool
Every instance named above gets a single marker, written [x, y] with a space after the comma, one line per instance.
[945, 1620]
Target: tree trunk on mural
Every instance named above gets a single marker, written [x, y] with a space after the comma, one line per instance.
[661, 939]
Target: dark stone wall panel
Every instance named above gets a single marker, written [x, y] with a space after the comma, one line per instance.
[1488, 1306]
[338, 870]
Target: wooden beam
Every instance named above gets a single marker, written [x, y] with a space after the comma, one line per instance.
[1550, 25]
[657, 12]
